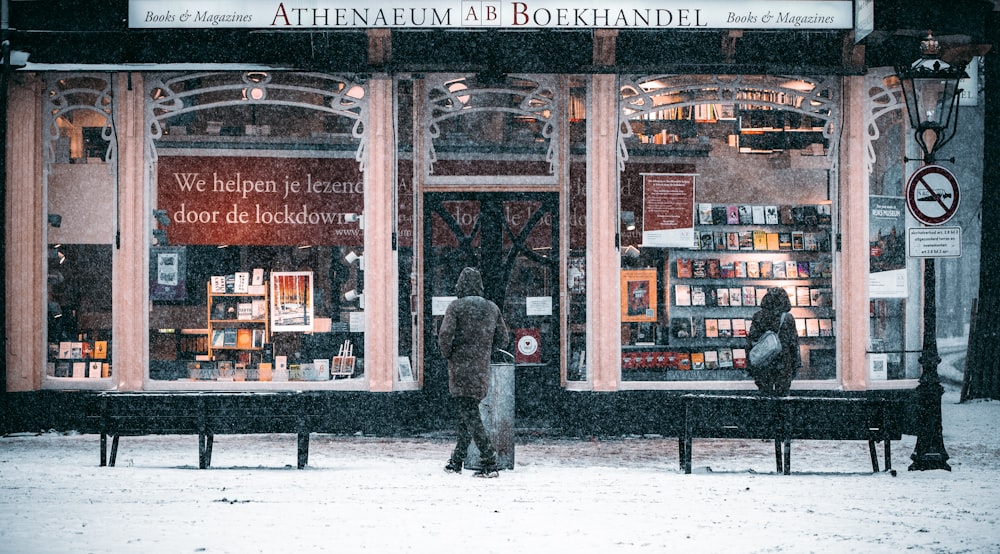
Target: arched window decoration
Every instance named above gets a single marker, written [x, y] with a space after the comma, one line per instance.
[884, 96]
[501, 129]
[79, 125]
[773, 106]
[269, 104]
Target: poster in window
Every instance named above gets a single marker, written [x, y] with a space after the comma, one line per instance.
[167, 269]
[291, 301]
[638, 295]
[887, 246]
[668, 210]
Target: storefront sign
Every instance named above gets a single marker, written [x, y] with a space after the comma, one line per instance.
[668, 210]
[934, 242]
[530, 14]
[260, 201]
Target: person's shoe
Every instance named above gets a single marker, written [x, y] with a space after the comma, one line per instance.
[453, 467]
[487, 471]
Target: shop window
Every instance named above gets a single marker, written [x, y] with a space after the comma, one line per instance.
[894, 282]
[576, 263]
[408, 370]
[80, 228]
[257, 252]
[710, 220]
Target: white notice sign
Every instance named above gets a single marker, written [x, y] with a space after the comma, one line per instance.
[934, 242]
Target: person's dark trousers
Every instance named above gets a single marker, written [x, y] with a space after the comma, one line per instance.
[470, 428]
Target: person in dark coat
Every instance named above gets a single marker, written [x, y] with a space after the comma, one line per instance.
[472, 328]
[776, 379]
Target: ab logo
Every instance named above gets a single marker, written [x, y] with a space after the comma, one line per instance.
[481, 14]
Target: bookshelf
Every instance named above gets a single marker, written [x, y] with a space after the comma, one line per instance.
[87, 357]
[237, 322]
[742, 251]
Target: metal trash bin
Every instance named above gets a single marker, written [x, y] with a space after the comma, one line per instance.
[497, 411]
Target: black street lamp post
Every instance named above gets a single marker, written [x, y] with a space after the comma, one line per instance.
[930, 90]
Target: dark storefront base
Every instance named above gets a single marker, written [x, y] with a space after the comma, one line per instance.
[541, 408]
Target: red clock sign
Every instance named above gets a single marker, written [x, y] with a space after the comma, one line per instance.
[932, 195]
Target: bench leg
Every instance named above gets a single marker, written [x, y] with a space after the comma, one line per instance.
[205, 450]
[114, 450]
[104, 449]
[788, 456]
[303, 449]
[777, 456]
[874, 455]
[687, 454]
[680, 453]
[888, 458]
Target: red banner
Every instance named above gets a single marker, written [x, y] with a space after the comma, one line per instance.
[260, 201]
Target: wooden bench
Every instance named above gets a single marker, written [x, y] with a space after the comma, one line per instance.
[120, 414]
[783, 419]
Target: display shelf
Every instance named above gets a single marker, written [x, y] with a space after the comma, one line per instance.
[712, 290]
[237, 321]
[80, 359]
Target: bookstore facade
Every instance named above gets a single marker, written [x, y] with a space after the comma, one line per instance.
[254, 227]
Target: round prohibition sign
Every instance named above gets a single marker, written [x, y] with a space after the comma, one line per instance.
[932, 195]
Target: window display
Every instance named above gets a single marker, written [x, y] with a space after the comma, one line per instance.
[720, 202]
[258, 229]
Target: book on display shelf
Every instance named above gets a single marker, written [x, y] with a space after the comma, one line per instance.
[722, 296]
[812, 327]
[745, 214]
[714, 268]
[800, 327]
[705, 214]
[698, 296]
[725, 328]
[732, 215]
[739, 327]
[725, 358]
[791, 269]
[684, 268]
[711, 359]
[682, 295]
[735, 296]
[739, 358]
[771, 215]
[719, 215]
[825, 327]
[759, 240]
[720, 240]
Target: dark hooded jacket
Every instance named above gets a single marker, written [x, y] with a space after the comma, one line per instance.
[778, 378]
[471, 329]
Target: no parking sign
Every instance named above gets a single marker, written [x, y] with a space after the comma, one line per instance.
[932, 195]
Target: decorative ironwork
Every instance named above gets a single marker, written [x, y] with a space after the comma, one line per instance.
[644, 95]
[457, 109]
[173, 96]
[64, 94]
[884, 96]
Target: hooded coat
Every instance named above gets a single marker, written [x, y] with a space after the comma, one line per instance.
[472, 328]
[778, 378]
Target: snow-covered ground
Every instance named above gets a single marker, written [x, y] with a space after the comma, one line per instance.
[368, 494]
